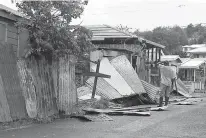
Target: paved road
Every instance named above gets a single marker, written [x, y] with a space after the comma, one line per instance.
[188, 121]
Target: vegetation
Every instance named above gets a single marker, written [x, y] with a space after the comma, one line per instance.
[49, 27]
[175, 37]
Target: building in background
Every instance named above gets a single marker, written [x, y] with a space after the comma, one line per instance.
[198, 52]
[192, 72]
[188, 48]
[173, 59]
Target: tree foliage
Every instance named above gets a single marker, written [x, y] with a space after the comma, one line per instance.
[49, 26]
[175, 37]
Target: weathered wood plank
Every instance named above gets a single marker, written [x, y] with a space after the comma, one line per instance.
[12, 35]
[12, 41]
[94, 74]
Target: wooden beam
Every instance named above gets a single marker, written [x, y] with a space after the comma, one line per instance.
[95, 80]
[194, 74]
[152, 54]
[96, 74]
[148, 55]
[159, 54]
[156, 51]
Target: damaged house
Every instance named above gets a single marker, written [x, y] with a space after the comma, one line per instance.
[128, 59]
[141, 53]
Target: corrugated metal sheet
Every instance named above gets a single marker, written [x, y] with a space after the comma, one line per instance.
[4, 108]
[150, 89]
[11, 82]
[45, 92]
[67, 97]
[116, 80]
[28, 86]
[125, 69]
[182, 89]
[104, 89]
[101, 32]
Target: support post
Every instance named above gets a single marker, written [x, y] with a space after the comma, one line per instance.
[96, 78]
[159, 54]
[194, 75]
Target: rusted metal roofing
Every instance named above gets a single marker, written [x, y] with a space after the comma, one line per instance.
[125, 69]
[102, 32]
[193, 63]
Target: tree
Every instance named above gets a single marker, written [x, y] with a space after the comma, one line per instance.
[171, 37]
[49, 27]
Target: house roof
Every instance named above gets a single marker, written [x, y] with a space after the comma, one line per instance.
[198, 50]
[102, 32]
[10, 11]
[194, 46]
[184, 60]
[193, 63]
[171, 58]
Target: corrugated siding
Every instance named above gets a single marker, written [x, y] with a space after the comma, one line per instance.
[45, 94]
[104, 89]
[125, 69]
[28, 86]
[151, 90]
[116, 80]
[4, 108]
[181, 88]
[67, 97]
[11, 82]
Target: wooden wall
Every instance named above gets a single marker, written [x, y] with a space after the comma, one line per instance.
[10, 34]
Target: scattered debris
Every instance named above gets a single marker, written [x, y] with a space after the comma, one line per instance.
[88, 96]
[159, 108]
[113, 112]
[94, 117]
[184, 103]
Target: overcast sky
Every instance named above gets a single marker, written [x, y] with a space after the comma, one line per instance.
[141, 14]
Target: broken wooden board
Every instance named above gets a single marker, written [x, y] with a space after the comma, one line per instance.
[94, 117]
[159, 108]
[96, 74]
[184, 103]
[189, 101]
[177, 100]
[113, 112]
[133, 108]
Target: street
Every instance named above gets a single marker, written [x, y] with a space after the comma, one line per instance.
[179, 121]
